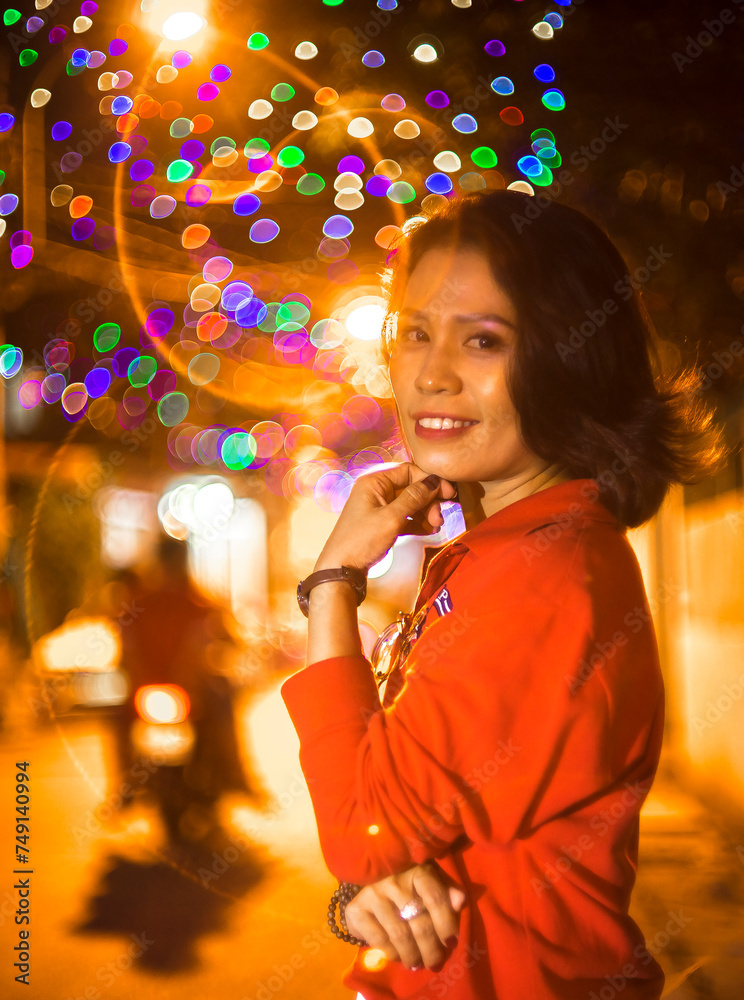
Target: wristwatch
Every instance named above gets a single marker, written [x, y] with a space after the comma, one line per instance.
[356, 577]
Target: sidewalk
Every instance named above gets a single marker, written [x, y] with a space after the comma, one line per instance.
[689, 896]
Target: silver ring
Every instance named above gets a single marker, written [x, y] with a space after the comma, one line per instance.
[413, 908]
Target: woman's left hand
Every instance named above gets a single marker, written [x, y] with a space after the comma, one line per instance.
[373, 915]
[382, 506]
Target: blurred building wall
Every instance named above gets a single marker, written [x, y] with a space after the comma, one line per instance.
[692, 556]
[711, 642]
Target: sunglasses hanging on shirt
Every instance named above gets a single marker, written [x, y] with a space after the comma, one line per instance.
[394, 644]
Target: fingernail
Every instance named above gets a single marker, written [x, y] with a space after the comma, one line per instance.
[415, 968]
[451, 941]
[431, 481]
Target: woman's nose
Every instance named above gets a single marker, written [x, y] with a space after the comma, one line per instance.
[437, 372]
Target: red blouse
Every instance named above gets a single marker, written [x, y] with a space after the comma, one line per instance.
[517, 751]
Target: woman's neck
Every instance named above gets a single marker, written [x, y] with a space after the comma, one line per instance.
[479, 500]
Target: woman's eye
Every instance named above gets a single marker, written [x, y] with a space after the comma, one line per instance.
[491, 340]
[406, 334]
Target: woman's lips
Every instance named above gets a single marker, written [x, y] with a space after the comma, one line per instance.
[442, 434]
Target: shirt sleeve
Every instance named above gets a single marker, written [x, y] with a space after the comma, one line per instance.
[493, 732]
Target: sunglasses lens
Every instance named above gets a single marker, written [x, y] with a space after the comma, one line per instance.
[386, 649]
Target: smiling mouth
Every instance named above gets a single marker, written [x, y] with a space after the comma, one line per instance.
[443, 423]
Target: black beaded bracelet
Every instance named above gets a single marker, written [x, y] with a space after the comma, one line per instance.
[343, 895]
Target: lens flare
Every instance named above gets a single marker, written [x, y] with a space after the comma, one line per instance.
[163, 703]
[182, 25]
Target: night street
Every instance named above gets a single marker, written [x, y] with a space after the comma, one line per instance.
[114, 912]
[371, 385]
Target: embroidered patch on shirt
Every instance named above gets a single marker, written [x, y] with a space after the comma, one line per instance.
[443, 601]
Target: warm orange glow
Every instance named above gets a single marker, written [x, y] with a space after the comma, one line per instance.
[165, 744]
[81, 644]
[375, 959]
[326, 96]
[162, 703]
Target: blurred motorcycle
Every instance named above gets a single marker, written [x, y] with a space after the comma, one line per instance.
[191, 759]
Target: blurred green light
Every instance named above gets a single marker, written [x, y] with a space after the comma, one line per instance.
[310, 184]
[282, 92]
[484, 157]
[179, 170]
[142, 371]
[258, 41]
[106, 337]
[290, 156]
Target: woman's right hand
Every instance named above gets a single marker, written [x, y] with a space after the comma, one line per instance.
[374, 916]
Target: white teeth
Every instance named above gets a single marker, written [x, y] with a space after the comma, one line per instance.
[446, 423]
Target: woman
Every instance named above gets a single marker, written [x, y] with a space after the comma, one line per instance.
[516, 751]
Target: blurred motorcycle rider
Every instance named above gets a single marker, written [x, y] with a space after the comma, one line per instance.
[177, 635]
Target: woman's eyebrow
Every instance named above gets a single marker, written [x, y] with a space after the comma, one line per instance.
[463, 317]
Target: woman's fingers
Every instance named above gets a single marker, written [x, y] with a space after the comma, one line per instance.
[415, 940]
[399, 477]
[438, 901]
[419, 524]
[427, 939]
[425, 522]
[377, 920]
[364, 925]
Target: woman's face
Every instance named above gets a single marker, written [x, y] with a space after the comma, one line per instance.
[455, 335]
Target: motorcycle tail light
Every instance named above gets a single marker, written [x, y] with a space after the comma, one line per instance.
[162, 703]
[165, 744]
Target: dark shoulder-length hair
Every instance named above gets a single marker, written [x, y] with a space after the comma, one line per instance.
[585, 376]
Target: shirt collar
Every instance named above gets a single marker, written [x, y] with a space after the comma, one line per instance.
[577, 498]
